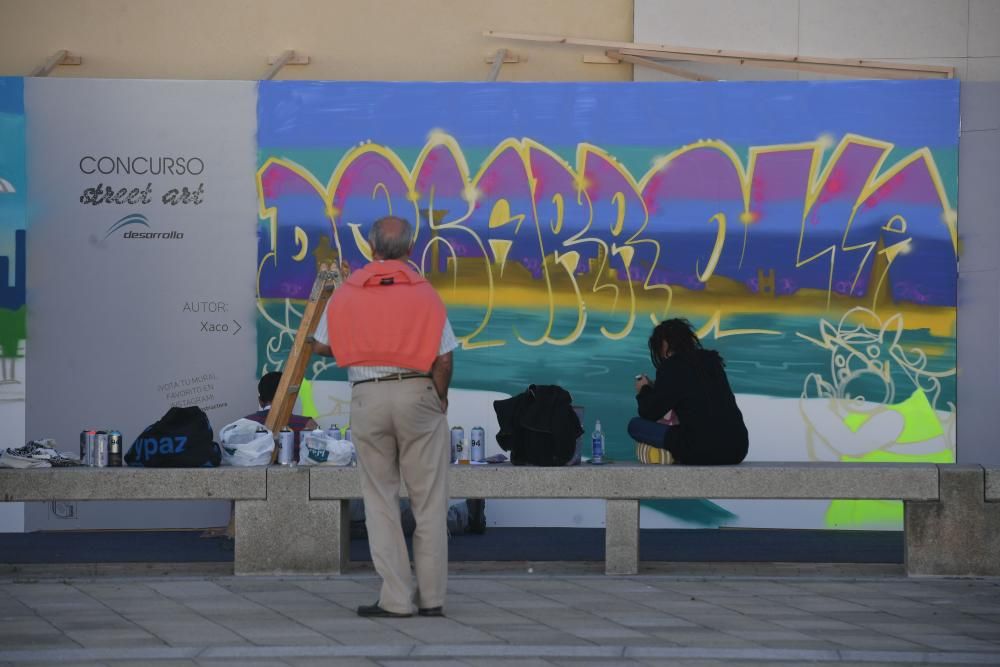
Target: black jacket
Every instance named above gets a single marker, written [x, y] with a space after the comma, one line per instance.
[539, 426]
[695, 387]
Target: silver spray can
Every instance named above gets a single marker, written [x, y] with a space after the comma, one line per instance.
[286, 444]
[100, 451]
[85, 438]
[90, 457]
[347, 434]
[457, 441]
[477, 443]
[333, 432]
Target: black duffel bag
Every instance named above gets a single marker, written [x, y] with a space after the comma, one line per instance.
[181, 439]
[539, 427]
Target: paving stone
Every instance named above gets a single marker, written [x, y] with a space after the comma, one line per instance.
[188, 631]
[871, 642]
[443, 631]
[510, 662]
[130, 637]
[241, 662]
[277, 632]
[702, 638]
[816, 623]
[375, 636]
[542, 619]
[646, 620]
[329, 662]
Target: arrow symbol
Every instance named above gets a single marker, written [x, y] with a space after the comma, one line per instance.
[238, 327]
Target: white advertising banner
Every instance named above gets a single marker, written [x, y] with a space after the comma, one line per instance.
[141, 265]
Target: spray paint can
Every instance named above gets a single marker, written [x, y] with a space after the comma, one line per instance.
[347, 434]
[100, 451]
[286, 444]
[115, 449]
[457, 442]
[477, 443]
[333, 432]
[85, 444]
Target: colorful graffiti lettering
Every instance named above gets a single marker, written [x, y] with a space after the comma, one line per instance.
[594, 233]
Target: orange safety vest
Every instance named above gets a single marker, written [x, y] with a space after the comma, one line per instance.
[386, 314]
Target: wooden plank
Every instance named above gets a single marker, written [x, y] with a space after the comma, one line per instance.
[867, 72]
[499, 58]
[508, 58]
[61, 57]
[728, 56]
[285, 58]
[659, 66]
[298, 357]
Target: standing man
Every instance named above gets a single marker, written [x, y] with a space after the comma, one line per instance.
[389, 327]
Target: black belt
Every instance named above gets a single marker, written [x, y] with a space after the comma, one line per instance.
[393, 377]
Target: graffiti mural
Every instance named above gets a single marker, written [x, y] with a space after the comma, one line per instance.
[808, 230]
[13, 186]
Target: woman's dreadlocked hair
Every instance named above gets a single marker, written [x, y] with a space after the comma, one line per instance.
[679, 335]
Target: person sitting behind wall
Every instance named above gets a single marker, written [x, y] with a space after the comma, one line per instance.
[266, 389]
[707, 426]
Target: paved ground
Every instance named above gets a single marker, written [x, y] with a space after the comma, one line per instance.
[502, 616]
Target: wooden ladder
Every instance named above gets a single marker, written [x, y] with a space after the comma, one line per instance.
[295, 366]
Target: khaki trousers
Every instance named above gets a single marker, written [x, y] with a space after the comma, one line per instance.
[400, 431]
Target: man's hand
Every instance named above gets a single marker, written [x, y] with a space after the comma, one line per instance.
[640, 382]
[441, 377]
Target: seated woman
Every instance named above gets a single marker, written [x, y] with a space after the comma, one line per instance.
[690, 381]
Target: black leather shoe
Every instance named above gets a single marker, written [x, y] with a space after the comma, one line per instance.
[431, 611]
[477, 515]
[375, 611]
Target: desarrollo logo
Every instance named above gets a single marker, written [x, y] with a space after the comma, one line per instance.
[139, 219]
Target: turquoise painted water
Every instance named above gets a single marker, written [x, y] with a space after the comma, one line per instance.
[599, 372]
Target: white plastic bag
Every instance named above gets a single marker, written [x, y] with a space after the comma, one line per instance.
[320, 449]
[242, 445]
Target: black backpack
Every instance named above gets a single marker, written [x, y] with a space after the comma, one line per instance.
[181, 439]
[539, 426]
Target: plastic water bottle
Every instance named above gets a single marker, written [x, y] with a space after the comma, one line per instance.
[597, 444]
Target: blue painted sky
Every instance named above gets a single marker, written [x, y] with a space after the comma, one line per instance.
[317, 114]
[12, 169]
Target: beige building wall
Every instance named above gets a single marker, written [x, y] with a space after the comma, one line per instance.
[345, 39]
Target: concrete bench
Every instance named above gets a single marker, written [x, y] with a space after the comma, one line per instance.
[960, 533]
[296, 520]
[939, 538]
[242, 485]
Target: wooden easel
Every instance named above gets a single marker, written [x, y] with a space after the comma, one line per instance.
[295, 366]
[295, 369]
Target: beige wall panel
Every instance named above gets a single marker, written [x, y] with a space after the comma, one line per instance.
[763, 25]
[984, 28]
[884, 28]
[984, 69]
[346, 39]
